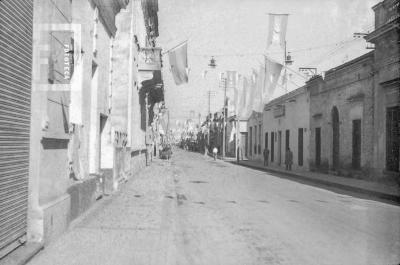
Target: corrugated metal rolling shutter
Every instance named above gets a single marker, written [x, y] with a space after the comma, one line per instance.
[15, 94]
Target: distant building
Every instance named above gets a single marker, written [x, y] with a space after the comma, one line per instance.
[254, 129]
[286, 125]
[386, 113]
[341, 118]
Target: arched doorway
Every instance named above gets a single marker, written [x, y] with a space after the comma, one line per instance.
[335, 138]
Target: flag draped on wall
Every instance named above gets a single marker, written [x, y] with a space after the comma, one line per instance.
[272, 73]
[277, 29]
[179, 64]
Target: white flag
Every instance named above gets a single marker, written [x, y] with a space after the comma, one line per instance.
[233, 132]
[277, 29]
[179, 64]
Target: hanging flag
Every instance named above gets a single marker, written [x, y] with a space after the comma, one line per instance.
[250, 95]
[179, 64]
[231, 79]
[246, 94]
[257, 93]
[237, 92]
[277, 29]
[272, 73]
[231, 91]
[263, 86]
[233, 132]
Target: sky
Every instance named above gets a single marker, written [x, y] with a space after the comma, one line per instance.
[319, 34]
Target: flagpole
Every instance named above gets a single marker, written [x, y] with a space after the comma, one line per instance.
[174, 47]
[285, 74]
[224, 120]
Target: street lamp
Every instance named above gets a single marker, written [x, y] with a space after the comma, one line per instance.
[212, 63]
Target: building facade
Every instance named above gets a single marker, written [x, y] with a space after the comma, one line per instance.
[386, 73]
[341, 118]
[286, 125]
[72, 54]
[137, 91]
[86, 79]
[16, 20]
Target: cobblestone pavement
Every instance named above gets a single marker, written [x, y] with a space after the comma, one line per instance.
[193, 210]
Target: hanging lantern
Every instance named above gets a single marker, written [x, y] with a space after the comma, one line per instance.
[289, 60]
[212, 63]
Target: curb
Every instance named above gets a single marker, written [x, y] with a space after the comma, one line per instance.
[292, 175]
[23, 254]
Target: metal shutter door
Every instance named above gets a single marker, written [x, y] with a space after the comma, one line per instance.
[16, 18]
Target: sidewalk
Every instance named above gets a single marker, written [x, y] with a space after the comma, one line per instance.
[386, 191]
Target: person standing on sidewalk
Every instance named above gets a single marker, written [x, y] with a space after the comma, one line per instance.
[288, 159]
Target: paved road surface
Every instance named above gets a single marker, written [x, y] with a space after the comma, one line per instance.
[193, 210]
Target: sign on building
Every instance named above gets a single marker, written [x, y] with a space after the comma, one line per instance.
[279, 111]
[149, 59]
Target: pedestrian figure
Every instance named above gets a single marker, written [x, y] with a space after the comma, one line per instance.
[288, 159]
[215, 151]
[266, 156]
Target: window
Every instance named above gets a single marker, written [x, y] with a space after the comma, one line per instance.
[356, 145]
[392, 139]
[251, 141]
[272, 146]
[287, 139]
[318, 146]
[259, 139]
[255, 139]
[300, 147]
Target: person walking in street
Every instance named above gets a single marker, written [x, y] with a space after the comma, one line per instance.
[215, 152]
[288, 159]
[266, 156]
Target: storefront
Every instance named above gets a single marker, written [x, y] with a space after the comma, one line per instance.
[15, 113]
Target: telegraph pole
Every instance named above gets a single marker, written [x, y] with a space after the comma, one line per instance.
[223, 117]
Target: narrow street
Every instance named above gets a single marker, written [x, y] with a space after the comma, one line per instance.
[193, 210]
